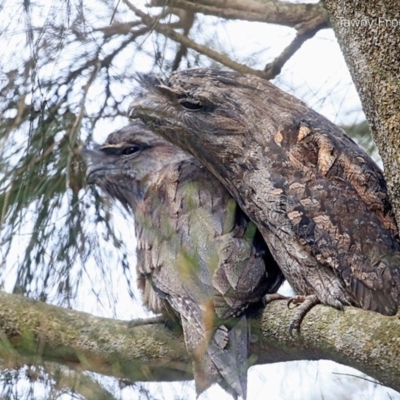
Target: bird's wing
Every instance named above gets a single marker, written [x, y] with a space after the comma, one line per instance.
[200, 245]
[203, 255]
[337, 203]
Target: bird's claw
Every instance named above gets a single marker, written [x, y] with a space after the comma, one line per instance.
[296, 301]
[146, 321]
[294, 326]
[269, 298]
[305, 304]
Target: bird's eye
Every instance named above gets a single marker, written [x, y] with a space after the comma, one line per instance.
[130, 150]
[191, 106]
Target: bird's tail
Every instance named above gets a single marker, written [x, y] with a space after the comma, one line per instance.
[225, 360]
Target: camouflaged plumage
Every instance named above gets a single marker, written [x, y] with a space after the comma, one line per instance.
[319, 200]
[198, 254]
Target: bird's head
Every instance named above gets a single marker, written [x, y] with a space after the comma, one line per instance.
[128, 162]
[209, 105]
[207, 111]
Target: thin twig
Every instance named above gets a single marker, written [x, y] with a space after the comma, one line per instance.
[274, 68]
[170, 33]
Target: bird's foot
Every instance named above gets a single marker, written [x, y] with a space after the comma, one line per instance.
[146, 321]
[304, 304]
[269, 298]
[296, 300]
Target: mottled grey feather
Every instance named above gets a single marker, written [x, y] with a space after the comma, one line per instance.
[319, 200]
[198, 254]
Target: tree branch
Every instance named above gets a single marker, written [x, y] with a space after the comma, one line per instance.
[274, 68]
[306, 30]
[33, 331]
[270, 11]
[361, 339]
[369, 38]
[185, 41]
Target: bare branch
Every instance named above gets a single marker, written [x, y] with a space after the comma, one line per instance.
[270, 11]
[185, 41]
[32, 330]
[118, 28]
[274, 68]
[186, 20]
[361, 339]
[306, 30]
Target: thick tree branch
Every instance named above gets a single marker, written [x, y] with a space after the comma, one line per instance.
[270, 11]
[369, 38]
[32, 331]
[361, 339]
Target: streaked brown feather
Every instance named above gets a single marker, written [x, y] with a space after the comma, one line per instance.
[319, 200]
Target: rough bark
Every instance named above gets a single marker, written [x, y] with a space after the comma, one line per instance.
[32, 331]
[369, 35]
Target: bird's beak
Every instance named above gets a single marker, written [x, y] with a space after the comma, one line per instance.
[147, 106]
[94, 160]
